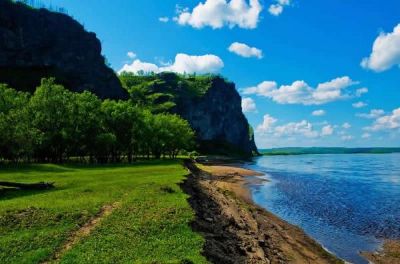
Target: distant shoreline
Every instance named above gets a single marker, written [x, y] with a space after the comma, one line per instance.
[326, 150]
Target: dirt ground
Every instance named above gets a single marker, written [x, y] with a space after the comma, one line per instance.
[236, 230]
[390, 253]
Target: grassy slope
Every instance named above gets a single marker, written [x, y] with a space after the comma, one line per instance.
[150, 226]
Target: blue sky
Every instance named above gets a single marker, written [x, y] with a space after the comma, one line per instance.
[308, 53]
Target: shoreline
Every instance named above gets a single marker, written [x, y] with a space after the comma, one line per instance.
[235, 229]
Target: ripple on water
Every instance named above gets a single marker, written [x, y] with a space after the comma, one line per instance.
[349, 203]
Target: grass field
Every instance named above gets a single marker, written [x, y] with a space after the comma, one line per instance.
[150, 225]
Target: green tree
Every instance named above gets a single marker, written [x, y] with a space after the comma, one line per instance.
[85, 124]
[16, 134]
[51, 109]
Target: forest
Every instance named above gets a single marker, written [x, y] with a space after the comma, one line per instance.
[57, 125]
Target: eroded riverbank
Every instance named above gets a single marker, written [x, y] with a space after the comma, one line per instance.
[238, 231]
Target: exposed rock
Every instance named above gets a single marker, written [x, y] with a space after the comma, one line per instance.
[218, 119]
[36, 43]
[215, 114]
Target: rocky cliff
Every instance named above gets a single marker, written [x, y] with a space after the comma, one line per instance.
[37, 43]
[212, 106]
[218, 120]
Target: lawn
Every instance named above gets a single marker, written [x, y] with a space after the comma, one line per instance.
[150, 224]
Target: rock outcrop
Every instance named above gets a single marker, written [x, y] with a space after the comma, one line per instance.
[37, 43]
[218, 120]
[216, 116]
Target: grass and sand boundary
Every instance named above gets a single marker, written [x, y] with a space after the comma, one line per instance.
[142, 213]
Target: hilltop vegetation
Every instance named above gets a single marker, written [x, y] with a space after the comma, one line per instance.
[210, 103]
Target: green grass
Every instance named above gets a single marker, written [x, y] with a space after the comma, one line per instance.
[151, 224]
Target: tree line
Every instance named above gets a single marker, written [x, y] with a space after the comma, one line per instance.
[56, 125]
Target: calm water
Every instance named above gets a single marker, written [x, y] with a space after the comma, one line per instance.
[348, 203]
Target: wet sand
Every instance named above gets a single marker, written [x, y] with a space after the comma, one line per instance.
[238, 231]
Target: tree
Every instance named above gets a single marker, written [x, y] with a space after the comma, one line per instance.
[85, 124]
[51, 110]
[17, 137]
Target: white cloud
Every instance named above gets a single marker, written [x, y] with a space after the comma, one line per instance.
[374, 113]
[361, 91]
[198, 64]
[385, 52]
[302, 128]
[277, 9]
[163, 19]
[244, 50]
[138, 66]
[248, 105]
[183, 64]
[318, 113]
[299, 92]
[327, 130]
[359, 105]
[346, 137]
[366, 135]
[386, 122]
[220, 13]
[267, 124]
[346, 125]
[131, 54]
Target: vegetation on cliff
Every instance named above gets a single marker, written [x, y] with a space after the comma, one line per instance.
[210, 103]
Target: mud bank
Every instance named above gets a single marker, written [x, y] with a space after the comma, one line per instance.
[238, 231]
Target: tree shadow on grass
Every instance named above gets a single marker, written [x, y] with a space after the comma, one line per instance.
[12, 193]
[33, 168]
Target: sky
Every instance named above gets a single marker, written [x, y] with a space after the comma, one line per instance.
[310, 72]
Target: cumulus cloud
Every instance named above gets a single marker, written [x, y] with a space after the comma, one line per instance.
[139, 66]
[374, 113]
[327, 130]
[303, 128]
[267, 124]
[277, 8]
[183, 64]
[359, 105]
[318, 113]
[248, 105]
[131, 54]
[163, 19]
[292, 129]
[390, 121]
[361, 91]
[385, 52]
[346, 125]
[299, 92]
[220, 13]
[244, 50]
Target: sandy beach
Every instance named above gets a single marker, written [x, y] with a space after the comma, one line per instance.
[238, 231]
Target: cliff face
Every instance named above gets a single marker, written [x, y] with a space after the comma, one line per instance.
[213, 108]
[218, 120]
[37, 43]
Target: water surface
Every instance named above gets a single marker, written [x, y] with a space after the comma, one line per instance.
[348, 203]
